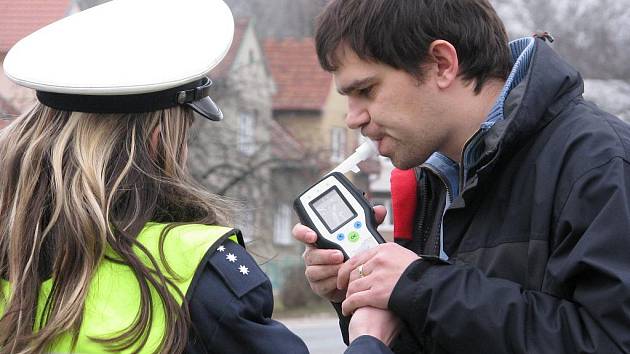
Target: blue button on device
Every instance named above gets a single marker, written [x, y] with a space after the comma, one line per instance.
[358, 224]
[340, 236]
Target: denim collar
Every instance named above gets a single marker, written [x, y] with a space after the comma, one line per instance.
[522, 51]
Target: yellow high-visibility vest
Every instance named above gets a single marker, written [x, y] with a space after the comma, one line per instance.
[113, 299]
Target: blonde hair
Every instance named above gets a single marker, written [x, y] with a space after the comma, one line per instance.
[73, 183]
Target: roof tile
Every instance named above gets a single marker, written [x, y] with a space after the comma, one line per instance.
[301, 83]
[19, 18]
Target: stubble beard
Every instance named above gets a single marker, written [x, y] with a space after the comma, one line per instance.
[408, 156]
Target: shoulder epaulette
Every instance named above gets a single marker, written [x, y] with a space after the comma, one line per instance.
[237, 268]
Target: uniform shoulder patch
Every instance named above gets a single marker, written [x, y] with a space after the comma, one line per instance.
[237, 268]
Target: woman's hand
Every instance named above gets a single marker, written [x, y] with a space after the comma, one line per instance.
[378, 323]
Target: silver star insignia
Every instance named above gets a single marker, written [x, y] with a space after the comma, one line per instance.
[243, 270]
[221, 248]
[230, 257]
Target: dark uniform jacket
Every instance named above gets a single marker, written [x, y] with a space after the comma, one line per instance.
[236, 318]
[538, 239]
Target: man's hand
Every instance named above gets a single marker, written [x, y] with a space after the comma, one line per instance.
[374, 322]
[322, 265]
[381, 267]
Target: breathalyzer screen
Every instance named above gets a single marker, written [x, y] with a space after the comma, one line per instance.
[333, 209]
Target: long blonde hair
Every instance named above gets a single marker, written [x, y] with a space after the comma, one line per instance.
[73, 183]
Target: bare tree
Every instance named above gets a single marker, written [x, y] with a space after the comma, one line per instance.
[280, 18]
[593, 35]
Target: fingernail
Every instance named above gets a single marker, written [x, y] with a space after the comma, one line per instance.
[312, 235]
[337, 257]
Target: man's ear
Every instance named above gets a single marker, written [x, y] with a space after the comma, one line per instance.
[444, 55]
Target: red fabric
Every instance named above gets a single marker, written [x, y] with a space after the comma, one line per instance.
[403, 187]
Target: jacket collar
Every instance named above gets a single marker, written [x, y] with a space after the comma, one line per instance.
[550, 83]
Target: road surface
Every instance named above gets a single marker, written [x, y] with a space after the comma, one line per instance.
[321, 334]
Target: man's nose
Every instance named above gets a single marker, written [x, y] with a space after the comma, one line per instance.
[357, 116]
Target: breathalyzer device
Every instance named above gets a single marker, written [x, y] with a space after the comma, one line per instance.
[338, 212]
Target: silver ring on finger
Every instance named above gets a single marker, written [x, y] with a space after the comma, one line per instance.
[360, 270]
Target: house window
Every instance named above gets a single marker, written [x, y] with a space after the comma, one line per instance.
[247, 132]
[337, 144]
[245, 221]
[282, 225]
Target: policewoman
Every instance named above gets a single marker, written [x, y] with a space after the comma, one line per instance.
[106, 245]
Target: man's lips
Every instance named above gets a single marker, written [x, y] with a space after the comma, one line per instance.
[379, 144]
[377, 139]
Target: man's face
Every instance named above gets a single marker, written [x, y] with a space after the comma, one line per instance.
[402, 115]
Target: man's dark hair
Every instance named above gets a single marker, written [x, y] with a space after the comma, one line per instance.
[398, 33]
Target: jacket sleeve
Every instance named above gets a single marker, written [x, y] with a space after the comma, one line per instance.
[231, 307]
[457, 308]
[368, 345]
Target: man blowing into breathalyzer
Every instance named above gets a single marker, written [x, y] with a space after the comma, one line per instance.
[520, 206]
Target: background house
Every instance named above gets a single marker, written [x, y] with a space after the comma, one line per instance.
[19, 18]
[250, 157]
[234, 157]
[308, 105]
[380, 194]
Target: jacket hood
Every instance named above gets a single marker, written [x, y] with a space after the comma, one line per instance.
[549, 85]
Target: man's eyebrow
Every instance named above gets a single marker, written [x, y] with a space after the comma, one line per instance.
[355, 85]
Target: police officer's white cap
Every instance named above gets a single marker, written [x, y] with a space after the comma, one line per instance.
[126, 56]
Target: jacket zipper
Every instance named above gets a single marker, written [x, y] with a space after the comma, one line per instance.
[424, 189]
[426, 231]
[442, 179]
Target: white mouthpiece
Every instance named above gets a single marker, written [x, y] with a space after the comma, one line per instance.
[363, 152]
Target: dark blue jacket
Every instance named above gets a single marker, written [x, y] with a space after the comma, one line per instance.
[539, 237]
[231, 303]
